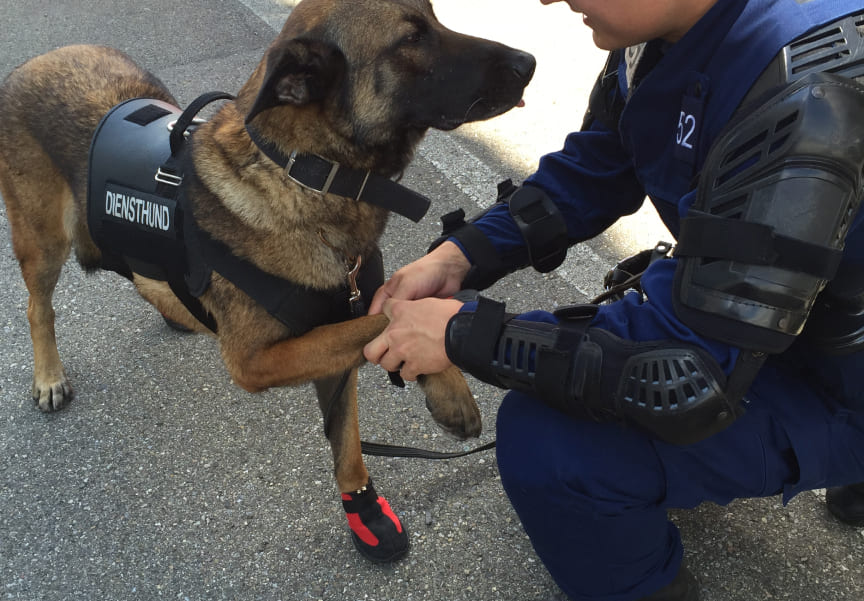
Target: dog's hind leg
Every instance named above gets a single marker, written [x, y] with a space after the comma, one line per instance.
[175, 314]
[39, 206]
[376, 531]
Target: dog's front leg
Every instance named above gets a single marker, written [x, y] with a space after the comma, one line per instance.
[337, 398]
[376, 531]
[451, 403]
[331, 350]
[322, 352]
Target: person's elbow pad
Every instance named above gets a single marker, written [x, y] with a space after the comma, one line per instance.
[542, 229]
[675, 391]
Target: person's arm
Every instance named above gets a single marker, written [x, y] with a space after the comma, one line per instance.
[631, 360]
[590, 183]
[741, 286]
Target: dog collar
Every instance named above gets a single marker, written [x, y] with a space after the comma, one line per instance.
[321, 175]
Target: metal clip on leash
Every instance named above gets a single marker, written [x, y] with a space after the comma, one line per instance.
[355, 298]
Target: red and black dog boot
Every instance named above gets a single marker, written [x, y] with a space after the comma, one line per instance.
[376, 531]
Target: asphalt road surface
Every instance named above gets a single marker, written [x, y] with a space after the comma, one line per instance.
[163, 480]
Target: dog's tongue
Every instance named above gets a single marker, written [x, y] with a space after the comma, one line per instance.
[521, 103]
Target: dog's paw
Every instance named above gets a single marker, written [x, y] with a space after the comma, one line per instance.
[52, 396]
[451, 403]
[376, 531]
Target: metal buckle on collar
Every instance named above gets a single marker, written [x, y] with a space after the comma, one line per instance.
[363, 185]
[325, 188]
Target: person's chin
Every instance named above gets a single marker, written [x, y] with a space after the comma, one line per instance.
[605, 41]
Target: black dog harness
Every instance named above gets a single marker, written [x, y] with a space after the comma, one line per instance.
[139, 218]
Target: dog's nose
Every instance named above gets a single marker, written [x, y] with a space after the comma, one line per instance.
[523, 65]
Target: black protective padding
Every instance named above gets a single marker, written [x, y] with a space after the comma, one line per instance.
[777, 195]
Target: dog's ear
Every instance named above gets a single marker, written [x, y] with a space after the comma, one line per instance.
[299, 72]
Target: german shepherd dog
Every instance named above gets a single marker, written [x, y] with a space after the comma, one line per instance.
[357, 82]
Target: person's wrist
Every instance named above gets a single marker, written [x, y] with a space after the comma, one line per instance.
[449, 252]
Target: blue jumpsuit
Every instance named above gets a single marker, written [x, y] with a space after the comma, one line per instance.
[593, 497]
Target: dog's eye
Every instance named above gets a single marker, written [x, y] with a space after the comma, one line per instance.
[413, 38]
[420, 31]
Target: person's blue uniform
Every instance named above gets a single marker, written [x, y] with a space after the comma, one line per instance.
[593, 496]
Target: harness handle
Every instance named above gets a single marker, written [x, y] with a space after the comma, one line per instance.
[188, 115]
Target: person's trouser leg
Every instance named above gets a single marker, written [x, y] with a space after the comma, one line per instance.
[593, 497]
[589, 496]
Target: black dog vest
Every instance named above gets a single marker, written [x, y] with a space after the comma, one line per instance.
[132, 218]
[136, 216]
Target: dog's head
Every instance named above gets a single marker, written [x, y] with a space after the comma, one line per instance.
[371, 76]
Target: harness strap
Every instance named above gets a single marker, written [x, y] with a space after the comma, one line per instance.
[297, 307]
[329, 177]
[170, 174]
[169, 177]
[178, 286]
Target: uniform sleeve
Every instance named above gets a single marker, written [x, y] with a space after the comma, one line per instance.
[655, 319]
[592, 182]
[641, 321]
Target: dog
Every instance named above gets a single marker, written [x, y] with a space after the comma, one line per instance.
[353, 82]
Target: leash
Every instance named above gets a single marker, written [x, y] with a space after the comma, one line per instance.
[623, 281]
[627, 274]
[378, 449]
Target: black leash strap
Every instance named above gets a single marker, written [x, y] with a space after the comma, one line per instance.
[386, 450]
[627, 274]
[377, 449]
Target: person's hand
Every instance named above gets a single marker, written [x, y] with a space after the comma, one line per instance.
[438, 274]
[413, 342]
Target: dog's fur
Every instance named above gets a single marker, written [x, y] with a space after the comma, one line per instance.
[356, 81]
